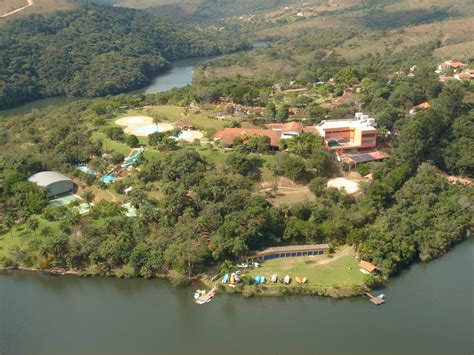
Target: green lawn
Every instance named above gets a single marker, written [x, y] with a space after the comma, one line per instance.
[21, 236]
[343, 272]
[203, 122]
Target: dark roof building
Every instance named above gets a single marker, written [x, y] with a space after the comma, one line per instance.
[54, 182]
[288, 251]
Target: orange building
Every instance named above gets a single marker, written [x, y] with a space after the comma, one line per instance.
[357, 133]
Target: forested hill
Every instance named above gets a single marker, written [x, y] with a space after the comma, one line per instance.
[99, 52]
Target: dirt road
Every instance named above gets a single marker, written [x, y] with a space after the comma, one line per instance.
[30, 3]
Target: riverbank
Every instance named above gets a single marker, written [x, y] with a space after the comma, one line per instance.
[95, 315]
[246, 291]
[336, 275]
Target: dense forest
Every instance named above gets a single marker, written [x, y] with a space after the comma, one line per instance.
[97, 52]
[208, 213]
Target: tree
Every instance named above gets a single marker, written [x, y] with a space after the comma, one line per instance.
[241, 163]
[282, 113]
[132, 141]
[73, 219]
[32, 224]
[318, 186]
[271, 110]
[156, 121]
[9, 222]
[189, 244]
[316, 112]
[89, 197]
[137, 198]
[289, 165]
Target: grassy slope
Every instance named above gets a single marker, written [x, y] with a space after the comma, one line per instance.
[22, 237]
[343, 272]
[455, 34]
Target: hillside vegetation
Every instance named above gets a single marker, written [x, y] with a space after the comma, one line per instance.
[91, 53]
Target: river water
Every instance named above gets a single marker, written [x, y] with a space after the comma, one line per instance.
[180, 75]
[429, 310]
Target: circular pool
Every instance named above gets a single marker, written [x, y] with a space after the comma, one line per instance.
[184, 135]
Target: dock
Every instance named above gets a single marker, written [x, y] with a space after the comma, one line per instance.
[374, 299]
[207, 297]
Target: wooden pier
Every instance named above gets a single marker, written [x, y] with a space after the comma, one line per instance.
[374, 299]
[207, 297]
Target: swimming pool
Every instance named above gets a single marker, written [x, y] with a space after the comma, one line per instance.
[108, 179]
[149, 129]
[184, 135]
[86, 170]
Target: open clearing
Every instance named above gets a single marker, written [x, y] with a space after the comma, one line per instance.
[347, 185]
[342, 270]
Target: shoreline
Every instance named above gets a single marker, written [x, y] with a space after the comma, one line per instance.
[245, 291]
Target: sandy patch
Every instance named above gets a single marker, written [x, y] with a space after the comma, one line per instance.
[142, 126]
[350, 186]
[134, 120]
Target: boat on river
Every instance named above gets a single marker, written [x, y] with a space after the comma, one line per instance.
[206, 297]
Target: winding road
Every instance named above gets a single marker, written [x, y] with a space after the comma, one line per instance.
[30, 3]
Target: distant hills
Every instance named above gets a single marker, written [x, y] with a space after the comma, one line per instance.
[97, 52]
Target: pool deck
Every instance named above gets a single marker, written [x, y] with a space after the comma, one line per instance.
[64, 200]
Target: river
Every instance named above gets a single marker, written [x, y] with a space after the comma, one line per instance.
[429, 310]
[180, 75]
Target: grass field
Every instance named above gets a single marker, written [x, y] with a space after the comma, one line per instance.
[22, 237]
[341, 272]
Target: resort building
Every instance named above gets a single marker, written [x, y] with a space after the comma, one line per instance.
[450, 64]
[423, 106]
[275, 131]
[287, 130]
[367, 266]
[54, 182]
[357, 133]
[227, 136]
[288, 251]
[465, 75]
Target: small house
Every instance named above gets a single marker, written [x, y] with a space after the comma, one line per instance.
[367, 266]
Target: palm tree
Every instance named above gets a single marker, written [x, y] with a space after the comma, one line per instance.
[73, 219]
[89, 197]
[32, 224]
[156, 121]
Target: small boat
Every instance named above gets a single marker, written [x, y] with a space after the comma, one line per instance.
[305, 280]
[298, 280]
[243, 265]
[206, 297]
[287, 279]
[256, 264]
[225, 279]
[274, 278]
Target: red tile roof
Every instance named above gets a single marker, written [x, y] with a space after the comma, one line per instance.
[367, 266]
[289, 126]
[423, 106]
[227, 135]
